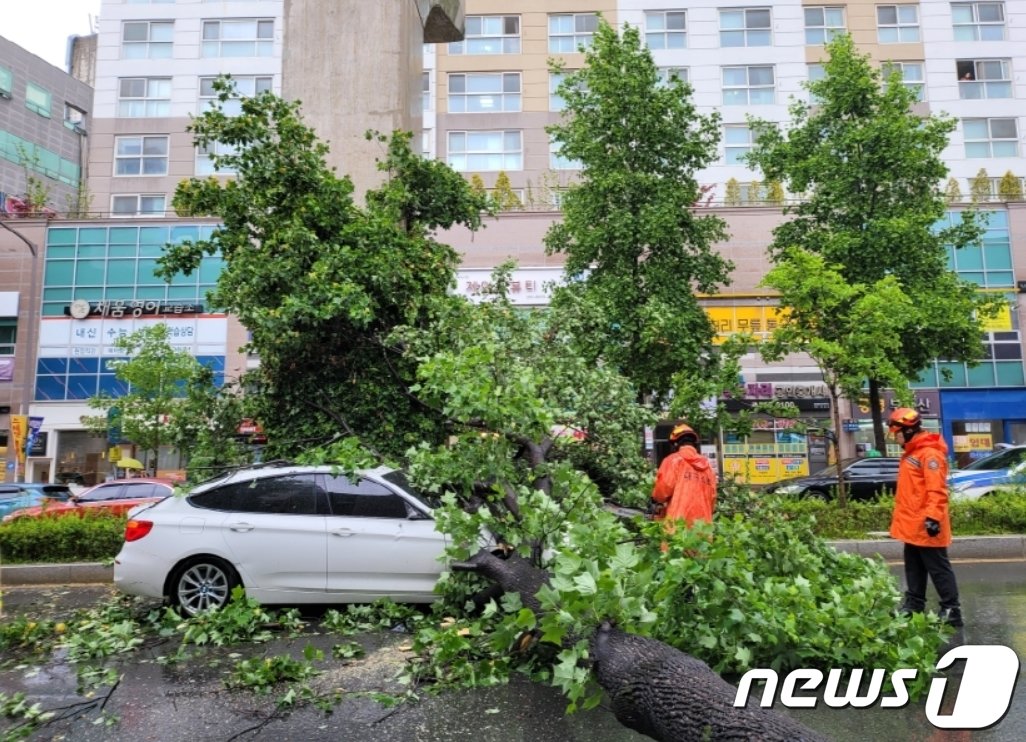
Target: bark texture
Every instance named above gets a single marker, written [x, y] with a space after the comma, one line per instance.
[661, 692]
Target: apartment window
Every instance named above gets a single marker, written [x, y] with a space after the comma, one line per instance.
[743, 86]
[665, 74]
[745, 27]
[37, 99]
[238, 38]
[570, 31]
[425, 91]
[246, 86]
[147, 39]
[74, 118]
[8, 335]
[489, 34]
[141, 155]
[991, 137]
[138, 204]
[897, 24]
[486, 150]
[823, 24]
[205, 159]
[484, 92]
[737, 141]
[141, 97]
[816, 72]
[557, 161]
[912, 76]
[984, 78]
[6, 82]
[666, 29]
[978, 21]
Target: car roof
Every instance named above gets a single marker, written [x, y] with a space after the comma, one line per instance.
[277, 469]
[136, 480]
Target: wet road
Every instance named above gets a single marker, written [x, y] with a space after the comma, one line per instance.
[189, 702]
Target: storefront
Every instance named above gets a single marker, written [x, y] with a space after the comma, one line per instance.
[927, 401]
[976, 420]
[779, 448]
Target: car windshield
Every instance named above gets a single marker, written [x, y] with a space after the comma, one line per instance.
[999, 460]
[399, 479]
[831, 470]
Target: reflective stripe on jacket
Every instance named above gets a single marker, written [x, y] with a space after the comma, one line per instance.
[687, 482]
[922, 492]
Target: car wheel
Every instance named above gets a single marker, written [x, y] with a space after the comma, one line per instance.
[203, 584]
[817, 495]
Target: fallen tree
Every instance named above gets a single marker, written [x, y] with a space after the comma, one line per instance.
[653, 688]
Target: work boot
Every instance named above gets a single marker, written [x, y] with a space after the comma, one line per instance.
[952, 617]
[911, 605]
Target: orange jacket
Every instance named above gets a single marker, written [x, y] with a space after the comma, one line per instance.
[922, 492]
[687, 481]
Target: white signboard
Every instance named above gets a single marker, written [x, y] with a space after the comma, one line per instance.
[527, 286]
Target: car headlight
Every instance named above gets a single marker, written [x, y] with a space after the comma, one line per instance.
[789, 489]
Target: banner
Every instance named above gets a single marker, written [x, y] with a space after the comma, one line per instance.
[34, 424]
[19, 432]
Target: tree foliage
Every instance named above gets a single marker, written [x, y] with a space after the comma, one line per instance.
[155, 376]
[872, 173]
[632, 241]
[318, 280]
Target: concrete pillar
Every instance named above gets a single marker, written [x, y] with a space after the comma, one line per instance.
[357, 65]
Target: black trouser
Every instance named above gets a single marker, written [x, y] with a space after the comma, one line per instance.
[921, 561]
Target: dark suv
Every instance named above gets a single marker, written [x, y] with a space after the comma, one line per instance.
[866, 479]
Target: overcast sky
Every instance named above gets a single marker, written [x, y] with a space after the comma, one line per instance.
[43, 26]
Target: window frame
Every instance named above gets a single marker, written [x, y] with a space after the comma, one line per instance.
[154, 48]
[748, 88]
[233, 107]
[983, 83]
[142, 156]
[509, 101]
[8, 336]
[825, 29]
[901, 28]
[579, 38]
[729, 146]
[918, 86]
[38, 99]
[138, 210]
[261, 46]
[508, 157]
[976, 25]
[154, 105]
[746, 30]
[666, 32]
[991, 140]
[476, 36]
[6, 82]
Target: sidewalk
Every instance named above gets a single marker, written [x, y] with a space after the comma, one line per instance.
[964, 547]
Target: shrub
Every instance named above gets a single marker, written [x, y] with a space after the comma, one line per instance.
[90, 538]
[1010, 187]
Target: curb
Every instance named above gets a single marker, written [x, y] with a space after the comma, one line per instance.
[963, 547]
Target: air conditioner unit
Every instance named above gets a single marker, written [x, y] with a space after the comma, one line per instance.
[79, 129]
[5, 94]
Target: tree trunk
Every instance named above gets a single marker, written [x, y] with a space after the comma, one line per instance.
[880, 441]
[654, 689]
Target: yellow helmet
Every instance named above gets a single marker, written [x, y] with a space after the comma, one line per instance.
[683, 432]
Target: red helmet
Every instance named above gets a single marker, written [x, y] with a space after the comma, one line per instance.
[683, 431]
[904, 417]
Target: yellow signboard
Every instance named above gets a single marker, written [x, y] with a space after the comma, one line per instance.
[19, 431]
[114, 454]
[1000, 322]
[759, 320]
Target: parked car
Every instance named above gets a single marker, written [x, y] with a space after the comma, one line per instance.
[866, 479]
[117, 496]
[18, 495]
[1002, 470]
[287, 534]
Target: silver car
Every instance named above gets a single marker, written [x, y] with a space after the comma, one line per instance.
[287, 534]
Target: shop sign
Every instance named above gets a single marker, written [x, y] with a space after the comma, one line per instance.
[786, 390]
[118, 308]
[926, 401]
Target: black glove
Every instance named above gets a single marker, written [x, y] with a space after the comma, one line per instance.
[932, 527]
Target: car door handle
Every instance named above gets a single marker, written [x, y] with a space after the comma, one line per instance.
[343, 532]
[241, 527]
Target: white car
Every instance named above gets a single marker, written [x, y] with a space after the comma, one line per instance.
[1005, 469]
[287, 534]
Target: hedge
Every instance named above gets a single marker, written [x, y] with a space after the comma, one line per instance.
[92, 537]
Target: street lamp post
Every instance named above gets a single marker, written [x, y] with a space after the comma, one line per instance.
[30, 336]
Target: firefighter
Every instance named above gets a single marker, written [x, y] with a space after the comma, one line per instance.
[685, 486]
[920, 517]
